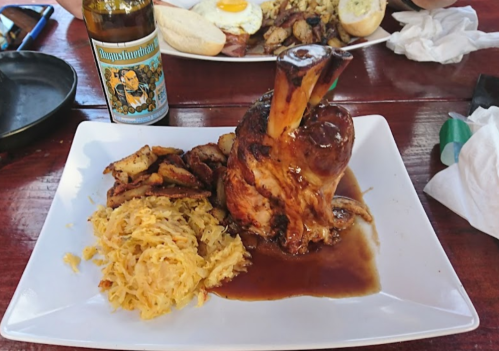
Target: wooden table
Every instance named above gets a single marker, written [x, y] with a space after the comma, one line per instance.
[414, 97]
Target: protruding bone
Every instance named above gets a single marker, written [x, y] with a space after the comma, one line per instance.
[297, 72]
[337, 63]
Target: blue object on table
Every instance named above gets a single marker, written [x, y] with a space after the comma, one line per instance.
[31, 36]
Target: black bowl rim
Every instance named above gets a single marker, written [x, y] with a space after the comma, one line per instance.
[71, 92]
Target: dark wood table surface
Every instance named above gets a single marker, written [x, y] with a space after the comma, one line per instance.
[414, 97]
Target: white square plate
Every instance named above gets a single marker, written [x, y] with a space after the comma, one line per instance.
[421, 295]
[379, 36]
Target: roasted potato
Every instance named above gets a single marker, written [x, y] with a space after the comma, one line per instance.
[344, 36]
[221, 199]
[218, 213]
[162, 171]
[175, 175]
[120, 176]
[179, 192]
[155, 179]
[175, 160]
[203, 172]
[225, 143]
[281, 49]
[206, 153]
[135, 163]
[334, 42]
[114, 201]
[276, 35]
[163, 151]
[303, 32]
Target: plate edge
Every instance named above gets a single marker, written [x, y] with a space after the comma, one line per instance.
[83, 126]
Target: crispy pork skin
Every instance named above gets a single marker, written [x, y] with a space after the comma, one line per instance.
[290, 152]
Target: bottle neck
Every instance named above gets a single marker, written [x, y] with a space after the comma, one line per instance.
[118, 21]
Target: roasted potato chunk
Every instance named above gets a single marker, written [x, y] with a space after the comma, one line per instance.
[175, 160]
[139, 176]
[303, 32]
[135, 163]
[175, 175]
[155, 179]
[219, 175]
[179, 192]
[203, 172]
[282, 48]
[276, 35]
[225, 143]
[206, 153]
[167, 171]
[120, 176]
[219, 213]
[163, 151]
[335, 43]
[344, 36]
[114, 201]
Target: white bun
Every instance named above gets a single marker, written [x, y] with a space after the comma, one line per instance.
[188, 31]
[361, 18]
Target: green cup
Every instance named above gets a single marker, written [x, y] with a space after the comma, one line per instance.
[333, 85]
[454, 133]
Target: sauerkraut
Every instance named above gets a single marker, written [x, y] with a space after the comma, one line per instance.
[160, 253]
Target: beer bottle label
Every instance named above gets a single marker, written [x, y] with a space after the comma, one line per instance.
[133, 79]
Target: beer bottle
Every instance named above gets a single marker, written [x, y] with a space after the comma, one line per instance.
[125, 44]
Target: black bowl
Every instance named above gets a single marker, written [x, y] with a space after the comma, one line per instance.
[36, 91]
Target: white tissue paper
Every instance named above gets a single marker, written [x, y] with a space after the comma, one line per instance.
[441, 35]
[470, 187]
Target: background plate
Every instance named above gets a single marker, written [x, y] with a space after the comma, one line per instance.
[379, 36]
[421, 295]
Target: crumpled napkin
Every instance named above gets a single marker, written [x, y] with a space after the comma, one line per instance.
[441, 35]
[470, 187]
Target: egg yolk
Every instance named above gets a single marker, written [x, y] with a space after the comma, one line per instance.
[232, 5]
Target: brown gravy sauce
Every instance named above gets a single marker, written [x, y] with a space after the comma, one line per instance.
[344, 270]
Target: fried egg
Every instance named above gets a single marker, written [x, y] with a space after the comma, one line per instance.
[231, 16]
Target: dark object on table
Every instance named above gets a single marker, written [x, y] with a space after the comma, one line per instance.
[31, 36]
[486, 93]
[20, 25]
[36, 91]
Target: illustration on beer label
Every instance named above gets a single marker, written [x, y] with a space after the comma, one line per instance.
[134, 81]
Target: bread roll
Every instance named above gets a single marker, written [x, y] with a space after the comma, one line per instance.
[189, 32]
[361, 18]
